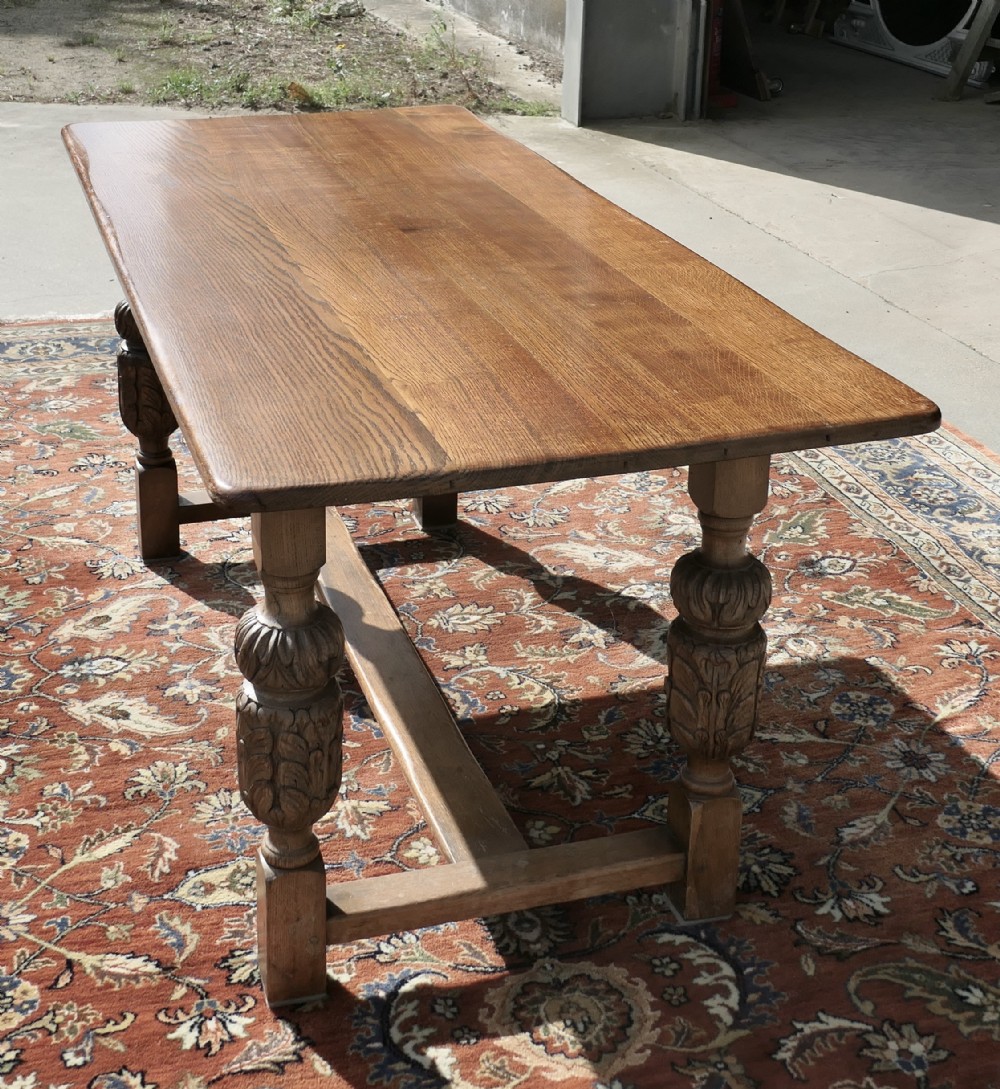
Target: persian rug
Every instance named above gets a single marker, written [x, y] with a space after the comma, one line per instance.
[865, 947]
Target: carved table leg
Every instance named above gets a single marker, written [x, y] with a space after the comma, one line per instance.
[715, 659]
[289, 731]
[147, 414]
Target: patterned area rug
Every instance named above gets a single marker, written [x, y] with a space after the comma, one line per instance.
[865, 949]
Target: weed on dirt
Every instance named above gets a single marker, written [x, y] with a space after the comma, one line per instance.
[235, 54]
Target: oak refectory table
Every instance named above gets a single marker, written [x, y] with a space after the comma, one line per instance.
[338, 308]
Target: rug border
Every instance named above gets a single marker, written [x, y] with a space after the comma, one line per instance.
[34, 323]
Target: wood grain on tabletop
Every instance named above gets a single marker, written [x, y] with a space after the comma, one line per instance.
[370, 305]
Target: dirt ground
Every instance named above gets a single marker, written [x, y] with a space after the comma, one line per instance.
[256, 54]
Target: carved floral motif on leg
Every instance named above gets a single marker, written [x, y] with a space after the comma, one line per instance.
[144, 408]
[717, 650]
[289, 712]
[289, 729]
[146, 412]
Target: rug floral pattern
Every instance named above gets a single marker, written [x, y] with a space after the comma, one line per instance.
[865, 949]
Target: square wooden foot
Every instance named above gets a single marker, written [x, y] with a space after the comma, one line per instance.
[291, 932]
[708, 830]
[436, 511]
[156, 511]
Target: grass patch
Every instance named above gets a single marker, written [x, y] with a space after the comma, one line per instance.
[166, 32]
[181, 85]
[358, 71]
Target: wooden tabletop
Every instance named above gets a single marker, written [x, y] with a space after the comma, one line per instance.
[370, 305]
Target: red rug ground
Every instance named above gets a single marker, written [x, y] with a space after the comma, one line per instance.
[865, 949]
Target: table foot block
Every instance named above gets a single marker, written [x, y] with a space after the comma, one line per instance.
[500, 883]
[436, 511]
[709, 828]
[291, 940]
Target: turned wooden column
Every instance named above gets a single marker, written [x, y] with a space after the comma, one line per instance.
[715, 660]
[289, 732]
[146, 412]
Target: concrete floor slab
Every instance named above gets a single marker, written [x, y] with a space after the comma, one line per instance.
[52, 260]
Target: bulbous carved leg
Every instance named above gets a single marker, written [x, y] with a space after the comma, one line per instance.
[146, 412]
[715, 659]
[289, 732]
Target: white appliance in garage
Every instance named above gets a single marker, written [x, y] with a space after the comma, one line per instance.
[923, 33]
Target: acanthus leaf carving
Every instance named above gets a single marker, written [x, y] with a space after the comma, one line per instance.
[282, 659]
[712, 691]
[289, 762]
[720, 600]
[143, 405]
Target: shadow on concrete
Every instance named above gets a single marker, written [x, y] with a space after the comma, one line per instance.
[851, 120]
